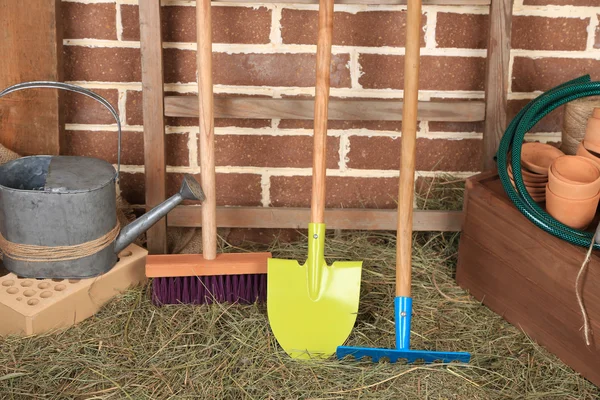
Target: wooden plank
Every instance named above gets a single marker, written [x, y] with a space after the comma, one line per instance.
[527, 275]
[347, 109]
[154, 124]
[298, 218]
[31, 121]
[497, 79]
[173, 265]
[532, 310]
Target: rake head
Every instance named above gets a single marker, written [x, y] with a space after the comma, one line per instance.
[402, 311]
[395, 355]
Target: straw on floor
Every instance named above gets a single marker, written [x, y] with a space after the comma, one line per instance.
[134, 350]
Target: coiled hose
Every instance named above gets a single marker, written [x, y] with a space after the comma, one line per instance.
[512, 141]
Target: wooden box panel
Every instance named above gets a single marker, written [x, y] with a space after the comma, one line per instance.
[528, 276]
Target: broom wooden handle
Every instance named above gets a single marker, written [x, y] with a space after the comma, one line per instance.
[207, 140]
[409, 139]
[321, 110]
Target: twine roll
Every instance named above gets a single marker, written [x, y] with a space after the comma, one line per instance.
[34, 253]
[576, 116]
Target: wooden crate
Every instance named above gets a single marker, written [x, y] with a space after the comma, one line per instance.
[528, 276]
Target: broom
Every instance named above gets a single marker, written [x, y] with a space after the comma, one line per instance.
[207, 278]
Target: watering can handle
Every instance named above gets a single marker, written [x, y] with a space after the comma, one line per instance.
[72, 88]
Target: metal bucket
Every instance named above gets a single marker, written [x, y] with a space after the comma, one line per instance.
[59, 201]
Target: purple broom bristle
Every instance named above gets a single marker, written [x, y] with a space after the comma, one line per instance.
[242, 289]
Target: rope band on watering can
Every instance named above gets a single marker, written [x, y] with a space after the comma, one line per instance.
[34, 253]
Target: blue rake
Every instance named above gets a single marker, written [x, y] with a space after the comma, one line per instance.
[403, 301]
[402, 311]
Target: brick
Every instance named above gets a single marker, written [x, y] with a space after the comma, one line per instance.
[255, 69]
[271, 151]
[468, 31]
[103, 145]
[529, 32]
[341, 192]
[343, 125]
[232, 189]
[134, 113]
[437, 73]
[81, 109]
[540, 33]
[230, 24]
[432, 154]
[102, 64]
[89, 21]
[370, 29]
[542, 74]
[552, 122]
[589, 3]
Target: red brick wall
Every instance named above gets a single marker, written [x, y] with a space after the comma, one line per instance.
[268, 50]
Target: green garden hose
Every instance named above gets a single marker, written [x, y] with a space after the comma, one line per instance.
[512, 141]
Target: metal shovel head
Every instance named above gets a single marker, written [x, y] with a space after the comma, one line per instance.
[312, 308]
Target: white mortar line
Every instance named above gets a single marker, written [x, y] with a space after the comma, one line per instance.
[344, 135]
[193, 149]
[122, 104]
[343, 152]
[511, 63]
[119, 22]
[552, 11]
[275, 34]
[594, 23]
[355, 70]
[287, 90]
[265, 187]
[431, 27]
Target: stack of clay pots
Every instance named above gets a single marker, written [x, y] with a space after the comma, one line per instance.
[590, 146]
[573, 190]
[536, 159]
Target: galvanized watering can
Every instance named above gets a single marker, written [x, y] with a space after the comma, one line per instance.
[58, 214]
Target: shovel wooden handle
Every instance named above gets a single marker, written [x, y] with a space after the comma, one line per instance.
[207, 141]
[321, 110]
[408, 155]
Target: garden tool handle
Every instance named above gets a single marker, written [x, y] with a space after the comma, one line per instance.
[407, 158]
[75, 89]
[321, 110]
[207, 134]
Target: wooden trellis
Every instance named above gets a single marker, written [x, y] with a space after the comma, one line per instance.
[157, 106]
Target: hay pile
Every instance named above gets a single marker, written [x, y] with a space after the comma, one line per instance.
[132, 350]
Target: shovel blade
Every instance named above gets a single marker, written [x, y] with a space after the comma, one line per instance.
[410, 356]
[311, 321]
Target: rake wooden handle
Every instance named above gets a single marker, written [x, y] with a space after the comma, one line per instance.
[409, 138]
[321, 110]
[207, 141]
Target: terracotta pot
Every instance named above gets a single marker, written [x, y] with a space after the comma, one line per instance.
[530, 176]
[592, 135]
[529, 183]
[574, 177]
[583, 152]
[537, 157]
[577, 214]
[537, 194]
[596, 113]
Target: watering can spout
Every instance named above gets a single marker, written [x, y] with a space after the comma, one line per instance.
[190, 190]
